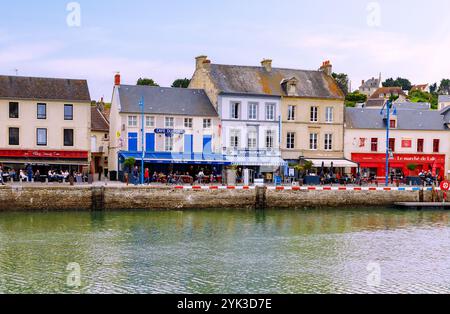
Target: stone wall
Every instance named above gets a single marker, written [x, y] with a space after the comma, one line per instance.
[48, 198]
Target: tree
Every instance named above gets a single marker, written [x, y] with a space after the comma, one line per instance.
[146, 82]
[181, 83]
[342, 81]
[405, 84]
[419, 96]
[444, 87]
[433, 88]
[353, 98]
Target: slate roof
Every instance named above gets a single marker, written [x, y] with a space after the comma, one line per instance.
[414, 105]
[99, 121]
[444, 98]
[36, 88]
[407, 119]
[233, 79]
[372, 83]
[377, 102]
[169, 101]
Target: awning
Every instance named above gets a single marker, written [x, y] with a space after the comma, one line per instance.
[44, 162]
[256, 161]
[337, 163]
[177, 158]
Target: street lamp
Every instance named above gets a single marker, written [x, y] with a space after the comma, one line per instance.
[142, 106]
[389, 152]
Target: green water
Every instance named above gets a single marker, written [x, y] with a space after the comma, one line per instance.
[326, 251]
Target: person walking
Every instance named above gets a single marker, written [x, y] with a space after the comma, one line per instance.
[30, 173]
[147, 176]
[136, 175]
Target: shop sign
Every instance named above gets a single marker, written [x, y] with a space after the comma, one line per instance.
[169, 132]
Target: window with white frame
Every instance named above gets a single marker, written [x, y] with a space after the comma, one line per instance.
[270, 139]
[235, 110]
[207, 123]
[270, 112]
[252, 140]
[168, 144]
[291, 113]
[314, 114]
[188, 123]
[235, 139]
[328, 141]
[150, 122]
[132, 121]
[170, 122]
[253, 111]
[329, 115]
[290, 140]
[313, 144]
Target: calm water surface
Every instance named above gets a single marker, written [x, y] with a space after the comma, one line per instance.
[320, 251]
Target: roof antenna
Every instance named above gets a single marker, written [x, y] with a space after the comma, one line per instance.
[16, 71]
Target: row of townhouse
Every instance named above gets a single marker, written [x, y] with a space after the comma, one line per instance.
[260, 118]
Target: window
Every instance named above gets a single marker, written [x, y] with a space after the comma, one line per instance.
[168, 144]
[313, 137]
[290, 140]
[374, 145]
[253, 111]
[270, 139]
[41, 137]
[291, 113]
[68, 137]
[420, 144]
[252, 140]
[42, 111]
[234, 139]
[13, 110]
[328, 141]
[13, 136]
[188, 123]
[329, 115]
[436, 144]
[150, 122]
[393, 124]
[270, 112]
[235, 107]
[392, 144]
[68, 112]
[132, 121]
[170, 122]
[314, 114]
[206, 123]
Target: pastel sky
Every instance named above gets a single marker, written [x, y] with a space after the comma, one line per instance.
[159, 39]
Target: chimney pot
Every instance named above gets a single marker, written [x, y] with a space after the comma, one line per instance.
[327, 68]
[117, 79]
[267, 64]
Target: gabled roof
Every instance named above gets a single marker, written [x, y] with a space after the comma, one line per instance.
[169, 101]
[371, 83]
[376, 102]
[99, 121]
[407, 119]
[35, 88]
[387, 90]
[255, 80]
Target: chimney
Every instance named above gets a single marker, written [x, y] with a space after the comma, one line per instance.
[362, 82]
[327, 68]
[267, 64]
[200, 61]
[117, 79]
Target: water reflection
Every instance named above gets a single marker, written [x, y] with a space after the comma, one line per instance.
[319, 251]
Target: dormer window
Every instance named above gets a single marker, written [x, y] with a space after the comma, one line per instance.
[292, 89]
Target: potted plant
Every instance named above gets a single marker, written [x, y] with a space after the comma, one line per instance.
[412, 169]
[128, 167]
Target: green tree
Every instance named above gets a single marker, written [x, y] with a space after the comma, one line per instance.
[146, 82]
[342, 81]
[419, 96]
[353, 98]
[129, 164]
[181, 83]
[405, 84]
[433, 88]
[444, 87]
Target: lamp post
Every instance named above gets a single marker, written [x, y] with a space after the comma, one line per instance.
[388, 129]
[142, 106]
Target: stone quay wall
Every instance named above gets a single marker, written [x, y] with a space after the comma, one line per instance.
[90, 198]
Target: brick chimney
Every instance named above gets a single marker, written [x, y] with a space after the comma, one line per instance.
[327, 68]
[117, 79]
[267, 64]
[200, 62]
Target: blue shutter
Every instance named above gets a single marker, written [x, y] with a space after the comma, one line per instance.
[189, 144]
[132, 142]
[207, 144]
[150, 142]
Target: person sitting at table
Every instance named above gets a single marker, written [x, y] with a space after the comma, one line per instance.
[200, 176]
[37, 176]
[23, 176]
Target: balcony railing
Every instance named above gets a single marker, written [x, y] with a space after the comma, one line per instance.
[253, 153]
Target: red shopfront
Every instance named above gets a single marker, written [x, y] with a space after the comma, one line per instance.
[46, 158]
[401, 162]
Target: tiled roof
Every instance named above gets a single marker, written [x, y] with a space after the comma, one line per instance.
[98, 121]
[162, 100]
[18, 87]
[258, 81]
[387, 90]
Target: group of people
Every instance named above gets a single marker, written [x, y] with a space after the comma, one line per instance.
[427, 178]
[172, 177]
[28, 175]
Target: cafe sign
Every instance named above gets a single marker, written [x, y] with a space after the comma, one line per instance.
[169, 132]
